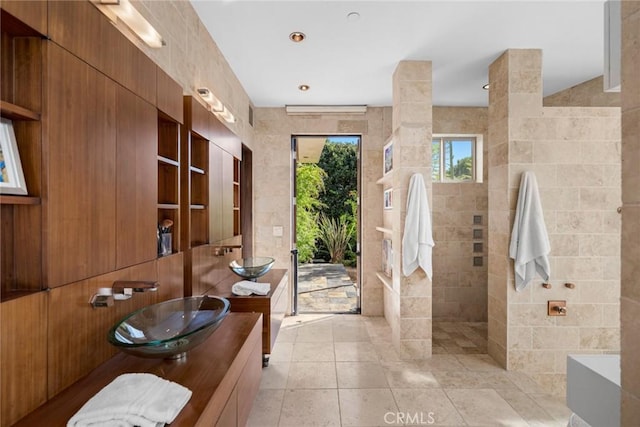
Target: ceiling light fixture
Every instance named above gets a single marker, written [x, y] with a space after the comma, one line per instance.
[353, 17]
[124, 12]
[486, 87]
[304, 88]
[297, 36]
[215, 105]
[297, 110]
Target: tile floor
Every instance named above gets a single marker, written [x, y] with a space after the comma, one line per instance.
[340, 370]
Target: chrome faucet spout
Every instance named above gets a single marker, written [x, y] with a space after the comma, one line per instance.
[120, 286]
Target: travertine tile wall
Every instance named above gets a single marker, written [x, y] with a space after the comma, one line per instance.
[272, 184]
[575, 153]
[585, 94]
[630, 301]
[459, 287]
[193, 59]
[408, 306]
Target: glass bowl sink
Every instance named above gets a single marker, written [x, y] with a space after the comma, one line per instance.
[170, 328]
[251, 268]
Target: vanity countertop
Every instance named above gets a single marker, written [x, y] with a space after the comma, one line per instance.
[210, 371]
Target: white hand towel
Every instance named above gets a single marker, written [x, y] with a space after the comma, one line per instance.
[417, 241]
[143, 400]
[529, 246]
[247, 287]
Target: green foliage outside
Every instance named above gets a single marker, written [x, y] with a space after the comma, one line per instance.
[327, 205]
[336, 234]
[310, 183]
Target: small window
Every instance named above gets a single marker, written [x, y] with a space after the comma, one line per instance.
[455, 159]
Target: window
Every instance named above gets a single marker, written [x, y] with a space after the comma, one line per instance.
[456, 158]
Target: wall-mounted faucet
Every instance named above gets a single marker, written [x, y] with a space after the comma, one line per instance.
[127, 287]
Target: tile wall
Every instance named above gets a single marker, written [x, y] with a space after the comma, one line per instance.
[408, 305]
[272, 184]
[575, 153]
[630, 301]
[459, 286]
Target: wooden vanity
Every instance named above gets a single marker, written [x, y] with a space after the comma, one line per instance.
[223, 373]
[272, 306]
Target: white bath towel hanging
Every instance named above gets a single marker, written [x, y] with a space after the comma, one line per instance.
[144, 400]
[417, 241]
[529, 246]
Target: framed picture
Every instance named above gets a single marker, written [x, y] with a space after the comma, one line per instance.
[387, 257]
[11, 176]
[388, 198]
[387, 159]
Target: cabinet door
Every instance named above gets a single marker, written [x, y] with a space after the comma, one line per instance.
[137, 179]
[220, 194]
[80, 197]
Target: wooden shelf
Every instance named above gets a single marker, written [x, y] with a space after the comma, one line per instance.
[386, 280]
[19, 200]
[168, 161]
[384, 230]
[168, 206]
[198, 207]
[197, 170]
[16, 112]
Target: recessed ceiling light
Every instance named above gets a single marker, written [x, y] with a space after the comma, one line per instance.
[297, 36]
[304, 88]
[486, 87]
[353, 16]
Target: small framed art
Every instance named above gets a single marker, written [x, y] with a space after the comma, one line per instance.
[388, 198]
[387, 158]
[11, 176]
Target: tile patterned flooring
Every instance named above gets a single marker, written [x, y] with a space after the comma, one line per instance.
[340, 370]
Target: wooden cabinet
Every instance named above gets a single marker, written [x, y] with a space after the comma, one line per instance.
[81, 207]
[169, 175]
[224, 194]
[222, 372]
[21, 61]
[272, 306]
[136, 185]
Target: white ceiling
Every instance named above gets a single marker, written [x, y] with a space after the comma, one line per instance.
[351, 63]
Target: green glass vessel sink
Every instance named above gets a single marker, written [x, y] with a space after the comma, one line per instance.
[252, 268]
[169, 329]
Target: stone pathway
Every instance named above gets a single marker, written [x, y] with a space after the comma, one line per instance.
[325, 288]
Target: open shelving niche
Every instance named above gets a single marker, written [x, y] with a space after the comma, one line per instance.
[169, 175]
[385, 183]
[199, 197]
[21, 102]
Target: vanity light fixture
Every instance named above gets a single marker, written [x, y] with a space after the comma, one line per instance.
[304, 88]
[215, 105]
[486, 87]
[297, 37]
[122, 11]
[208, 97]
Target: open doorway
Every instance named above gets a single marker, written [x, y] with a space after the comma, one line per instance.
[326, 223]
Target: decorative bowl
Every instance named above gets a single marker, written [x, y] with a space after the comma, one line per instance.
[252, 268]
[169, 329]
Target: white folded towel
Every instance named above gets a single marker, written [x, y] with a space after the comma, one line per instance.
[417, 241]
[143, 400]
[529, 245]
[247, 287]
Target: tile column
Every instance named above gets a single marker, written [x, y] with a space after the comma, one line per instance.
[411, 311]
[630, 286]
[515, 92]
